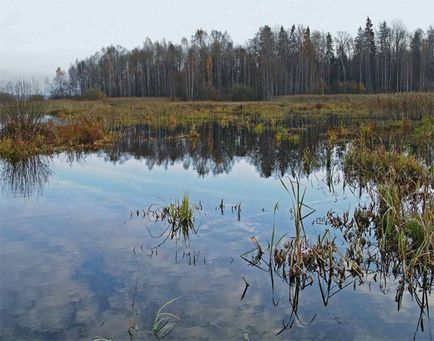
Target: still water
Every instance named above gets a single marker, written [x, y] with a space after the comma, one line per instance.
[77, 262]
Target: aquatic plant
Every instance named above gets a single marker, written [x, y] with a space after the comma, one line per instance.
[392, 243]
[174, 221]
[298, 261]
[385, 238]
[378, 166]
[180, 217]
[164, 322]
[394, 235]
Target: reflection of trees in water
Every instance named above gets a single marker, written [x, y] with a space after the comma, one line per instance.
[25, 177]
[28, 177]
[217, 145]
[215, 149]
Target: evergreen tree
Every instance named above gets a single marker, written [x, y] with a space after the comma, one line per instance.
[384, 55]
[283, 55]
[416, 59]
[359, 55]
[329, 59]
[369, 56]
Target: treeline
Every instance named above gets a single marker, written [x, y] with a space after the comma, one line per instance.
[272, 63]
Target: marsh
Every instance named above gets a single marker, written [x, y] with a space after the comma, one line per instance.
[83, 257]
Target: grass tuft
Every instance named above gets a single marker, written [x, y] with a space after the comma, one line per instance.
[164, 322]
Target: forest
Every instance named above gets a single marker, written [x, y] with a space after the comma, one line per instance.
[388, 58]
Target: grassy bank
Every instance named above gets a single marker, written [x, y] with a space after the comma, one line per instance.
[77, 125]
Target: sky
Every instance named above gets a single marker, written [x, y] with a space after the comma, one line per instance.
[38, 36]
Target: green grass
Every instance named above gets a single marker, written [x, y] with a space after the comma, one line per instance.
[176, 221]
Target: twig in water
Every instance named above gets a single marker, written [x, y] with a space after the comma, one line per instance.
[245, 288]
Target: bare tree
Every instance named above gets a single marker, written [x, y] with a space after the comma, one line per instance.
[59, 87]
[20, 109]
[399, 37]
[272, 63]
[343, 50]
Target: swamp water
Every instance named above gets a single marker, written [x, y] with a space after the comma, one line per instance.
[81, 258]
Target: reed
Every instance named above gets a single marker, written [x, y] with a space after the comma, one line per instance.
[394, 235]
[399, 222]
[175, 221]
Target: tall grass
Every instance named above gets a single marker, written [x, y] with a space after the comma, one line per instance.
[401, 216]
[394, 235]
[89, 124]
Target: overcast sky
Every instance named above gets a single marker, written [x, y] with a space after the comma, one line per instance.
[37, 36]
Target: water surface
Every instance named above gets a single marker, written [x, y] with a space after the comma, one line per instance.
[77, 262]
